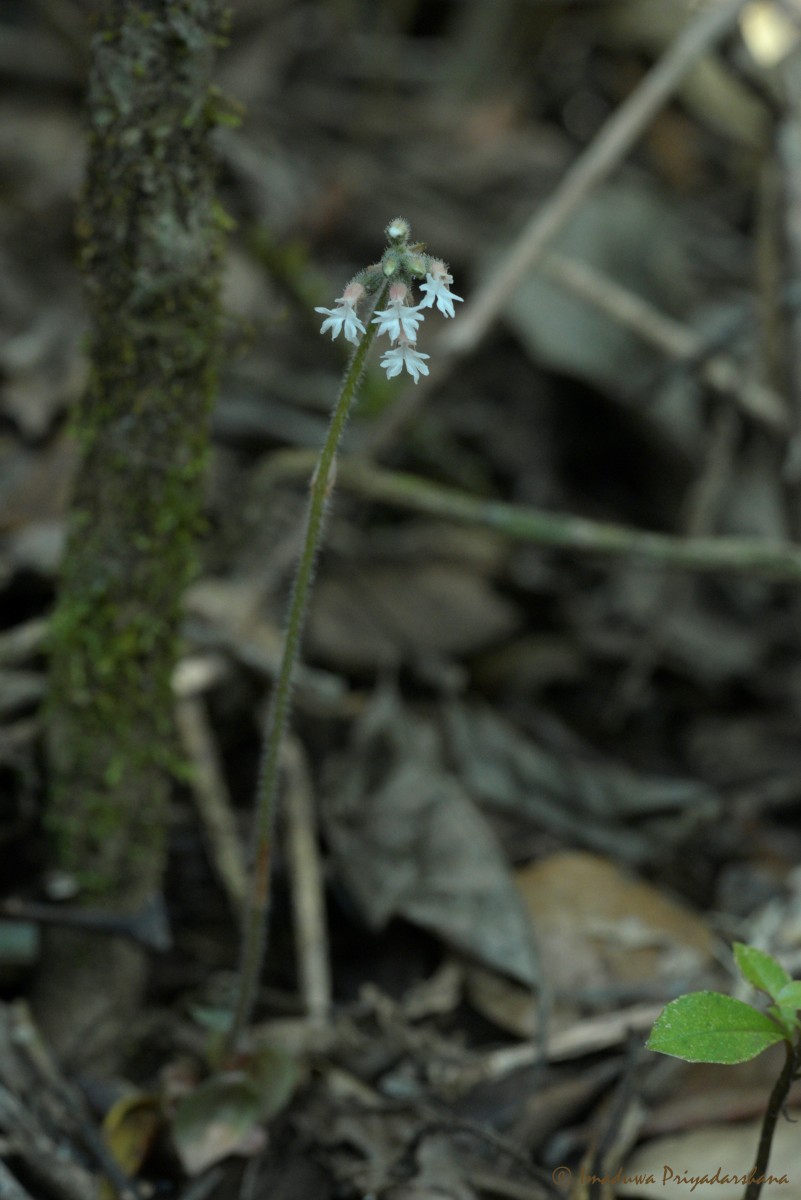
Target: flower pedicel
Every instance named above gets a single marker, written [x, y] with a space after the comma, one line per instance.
[402, 265]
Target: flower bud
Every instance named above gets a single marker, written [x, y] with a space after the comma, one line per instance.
[398, 230]
[353, 293]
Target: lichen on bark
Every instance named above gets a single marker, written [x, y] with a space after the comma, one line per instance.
[151, 236]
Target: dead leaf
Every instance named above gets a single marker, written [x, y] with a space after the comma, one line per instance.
[409, 842]
[727, 1149]
[129, 1130]
[383, 614]
[630, 234]
[440, 1171]
[709, 90]
[570, 791]
[600, 926]
[599, 931]
[363, 1145]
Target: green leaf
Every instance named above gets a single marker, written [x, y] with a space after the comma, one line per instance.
[216, 1020]
[275, 1074]
[787, 1018]
[789, 996]
[710, 1027]
[761, 969]
[215, 1120]
[224, 1115]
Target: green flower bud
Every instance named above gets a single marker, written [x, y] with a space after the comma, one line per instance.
[398, 230]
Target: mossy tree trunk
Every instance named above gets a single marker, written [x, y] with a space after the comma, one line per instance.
[151, 235]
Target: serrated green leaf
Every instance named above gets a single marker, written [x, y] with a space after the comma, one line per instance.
[790, 996]
[713, 1028]
[760, 969]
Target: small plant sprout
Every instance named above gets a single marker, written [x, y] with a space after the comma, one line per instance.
[710, 1027]
[388, 286]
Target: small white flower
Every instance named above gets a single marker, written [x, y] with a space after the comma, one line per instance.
[343, 317]
[398, 320]
[404, 355]
[436, 289]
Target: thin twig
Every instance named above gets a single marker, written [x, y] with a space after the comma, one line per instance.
[617, 1123]
[607, 150]
[491, 1184]
[701, 516]
[308, 902]
[212, 799]
[72, 1108]
[10, 1188]
[22, 642]
[677, 341]
[434, 1123]
[200, 1188]
[146, 927]
[778, 561]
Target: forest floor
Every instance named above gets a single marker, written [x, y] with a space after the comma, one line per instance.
[545, 768]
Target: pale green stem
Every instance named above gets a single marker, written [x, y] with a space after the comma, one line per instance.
[257, 903]
[776, 560]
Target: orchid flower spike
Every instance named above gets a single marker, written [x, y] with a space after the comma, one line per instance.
[402, 266]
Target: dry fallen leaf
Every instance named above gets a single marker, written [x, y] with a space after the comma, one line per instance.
[384, 614]
[675, 1162]
[129, 1130]
[409, 842]
[562, 786]
[599, 931]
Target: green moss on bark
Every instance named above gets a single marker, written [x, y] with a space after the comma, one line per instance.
[151, 236]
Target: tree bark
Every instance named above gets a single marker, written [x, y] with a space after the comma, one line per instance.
[151, 234]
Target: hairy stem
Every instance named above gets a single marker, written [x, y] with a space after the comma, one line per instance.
[256, 915]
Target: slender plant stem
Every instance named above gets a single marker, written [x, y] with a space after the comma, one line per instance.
[775, 1104]
[257, 904]
[775, 560]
